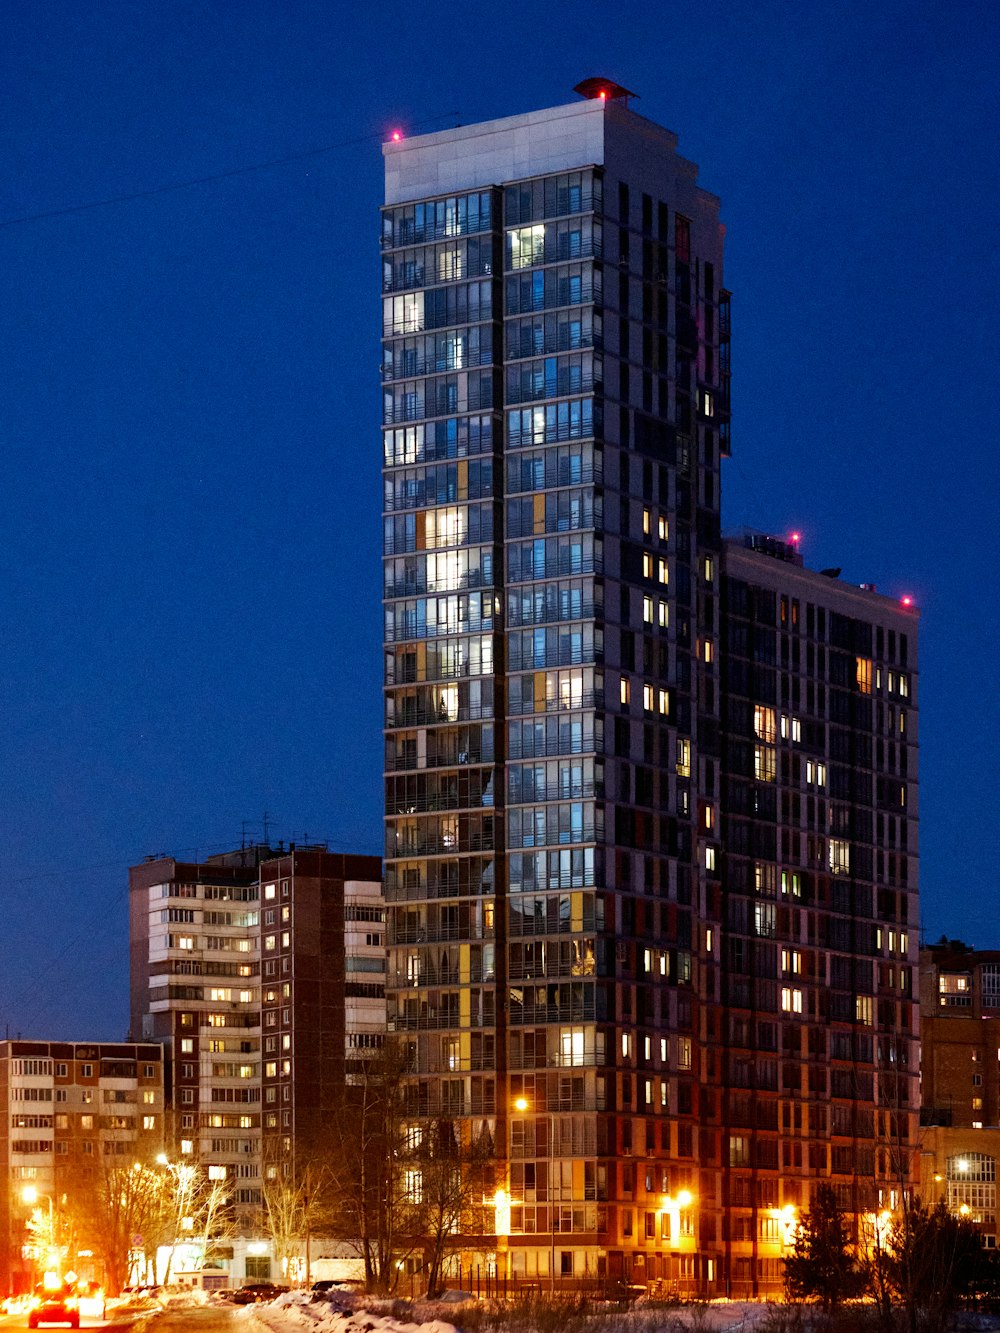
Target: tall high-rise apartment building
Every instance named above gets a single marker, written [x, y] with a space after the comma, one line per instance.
[555, 408]
[555, 405]
[261, 973]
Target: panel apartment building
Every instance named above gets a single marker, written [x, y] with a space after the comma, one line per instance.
[555, 409]
[261, 973]
[69, 1109]
[960, 1077]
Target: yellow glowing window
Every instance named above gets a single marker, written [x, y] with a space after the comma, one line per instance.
[764, 724]
[664, 615]
[647, 565]
[647, 697]
[662, 573]
[647, 610]
[683, 757]
[765, 763]
[645, 522]
[709, 650]
[663, 701]
[625, 689]
[708, 569]
[663, 529]
[709, 858]
[863, 674]
[709, 817]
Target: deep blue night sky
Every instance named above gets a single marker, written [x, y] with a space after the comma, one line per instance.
[189, 467]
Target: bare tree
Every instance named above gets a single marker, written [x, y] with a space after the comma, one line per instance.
[371, 1187]
[453, 1182]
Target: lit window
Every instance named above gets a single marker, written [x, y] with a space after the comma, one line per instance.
[185, 941]
[625, 690]
[663, 701]
[791, 1000]
[663, 529]
[790, 883]
[662, 573]
[647, 697]
[765, 763]
[708, 940]
[647, 610]
[863, 1009]
[763, 723]
[863, 674]
[645, 522]
[683, 757]
[527, 246]
[683, 1052]
[149, 1122]
[709, 858]
[270, 891]
[791, 960]
[764, 920]
[187, 1045]
[708, 651]
[709, 817]
[839, 856]
[708, 569]
[664, 614]
[647, 565]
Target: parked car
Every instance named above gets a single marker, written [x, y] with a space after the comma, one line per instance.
[253, 1292]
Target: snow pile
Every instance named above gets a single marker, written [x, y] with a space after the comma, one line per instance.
[295, 1311]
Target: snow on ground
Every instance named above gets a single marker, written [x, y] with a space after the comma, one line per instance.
[296, 1313]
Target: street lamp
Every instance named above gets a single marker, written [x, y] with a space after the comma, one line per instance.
[31, 1195]
[522, 1104]
[673, 1207]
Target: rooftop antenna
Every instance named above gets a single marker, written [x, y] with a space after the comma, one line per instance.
[266, 827]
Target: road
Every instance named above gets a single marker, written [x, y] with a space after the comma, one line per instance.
[179, 1319]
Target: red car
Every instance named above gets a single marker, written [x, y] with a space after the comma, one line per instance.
[54, 1307]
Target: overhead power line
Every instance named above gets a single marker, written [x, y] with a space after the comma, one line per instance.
[205, 180]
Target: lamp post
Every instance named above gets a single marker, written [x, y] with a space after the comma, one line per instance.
[30, 1195]
[522, 1104]
[673, 1208]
